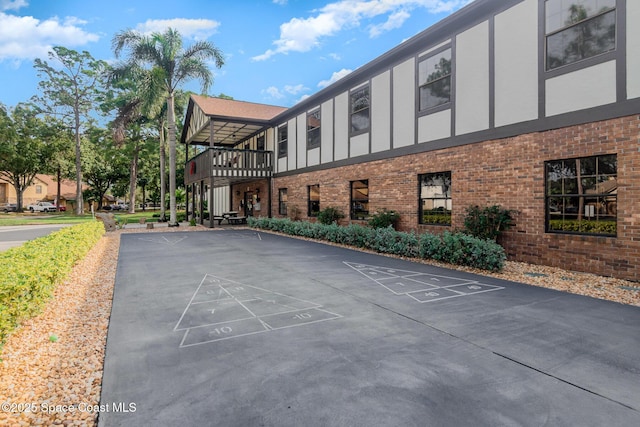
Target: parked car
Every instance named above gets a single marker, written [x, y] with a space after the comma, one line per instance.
[42, 207]
[8, 207]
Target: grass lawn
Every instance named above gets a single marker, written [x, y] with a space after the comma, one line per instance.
[70, 218]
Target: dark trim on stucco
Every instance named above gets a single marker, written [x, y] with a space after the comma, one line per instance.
[605, 112]
[460, 21]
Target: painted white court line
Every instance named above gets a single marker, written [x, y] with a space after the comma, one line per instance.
[222, 309]
[421, 287]
[163, 240]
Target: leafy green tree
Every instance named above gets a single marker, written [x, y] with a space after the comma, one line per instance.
[104, 164]
[23, 149]
[164, 54]
[70, 90]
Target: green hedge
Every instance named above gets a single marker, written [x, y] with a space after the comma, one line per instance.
[453, 248]
[31, 272]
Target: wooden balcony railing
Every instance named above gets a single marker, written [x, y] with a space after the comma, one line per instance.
[229, 163]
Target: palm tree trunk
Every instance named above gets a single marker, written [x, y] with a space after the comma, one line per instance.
[173, 219]
[163, 168]
[133, 174]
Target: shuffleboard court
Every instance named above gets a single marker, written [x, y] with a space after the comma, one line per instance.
[245, 328]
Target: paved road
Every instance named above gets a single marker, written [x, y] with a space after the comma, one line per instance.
[11, 236]
[244, 328]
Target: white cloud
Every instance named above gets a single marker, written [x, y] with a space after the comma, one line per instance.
[394, 21]
[337, 75]
[294, 90]
[197, 29]
[25, 37]
[280, 2]
[12, 4]
[273, 92]
[302, 98]
[304, 34]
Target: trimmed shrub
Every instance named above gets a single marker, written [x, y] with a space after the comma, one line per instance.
[384, 219]
[488, 222]
[330, 215]
[31, 272]
[455, 248]
[462, 249]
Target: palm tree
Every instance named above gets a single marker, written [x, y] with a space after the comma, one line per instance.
[172, 64]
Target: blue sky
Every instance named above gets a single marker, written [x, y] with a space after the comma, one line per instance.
[276, 51]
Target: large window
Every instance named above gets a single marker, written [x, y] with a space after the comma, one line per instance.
[314, 200]
[283, 136]
[434, 79]
[581, 195]
[578, 29]
[282, 201]
[313, 129]
[360, 199]
[360, 103]
[435, 198]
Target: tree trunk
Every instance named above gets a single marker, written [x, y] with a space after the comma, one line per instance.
[163, 168]
[18, 188]
[79, 201]
[133, 176]
[58, 177]
[173, 217]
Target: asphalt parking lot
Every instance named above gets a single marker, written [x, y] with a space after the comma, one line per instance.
[245, 328]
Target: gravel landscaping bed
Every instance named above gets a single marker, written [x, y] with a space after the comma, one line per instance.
[51, 369]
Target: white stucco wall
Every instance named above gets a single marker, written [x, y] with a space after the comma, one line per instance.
[434, 126]
[380, 112]
[301, 140]
[341, 105]
[404, 103]
[326, 132]
[472, 79]
[589, 87]
[633, 49]
[516, 64]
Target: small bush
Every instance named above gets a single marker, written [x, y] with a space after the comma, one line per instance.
[384, 219]
[488, 222]
[31, 272]
[330, 215]
[462, 249]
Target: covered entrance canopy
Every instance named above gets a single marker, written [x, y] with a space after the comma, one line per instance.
[217, 129]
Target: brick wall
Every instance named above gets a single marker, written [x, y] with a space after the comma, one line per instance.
[507, 172]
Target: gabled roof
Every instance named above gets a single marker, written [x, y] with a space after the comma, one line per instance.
[67, 187]
[233, 121]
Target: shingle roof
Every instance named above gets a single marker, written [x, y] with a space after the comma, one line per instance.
[219, 107]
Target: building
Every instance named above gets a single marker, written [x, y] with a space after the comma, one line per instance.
[43, 188]
[533, 105]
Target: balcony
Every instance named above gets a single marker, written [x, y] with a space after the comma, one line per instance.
[229, 165]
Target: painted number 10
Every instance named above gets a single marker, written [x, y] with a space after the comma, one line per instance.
[221, 331]
[302, 316]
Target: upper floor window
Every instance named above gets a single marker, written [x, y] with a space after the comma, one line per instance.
[582, 195]
[360, 103]
[38, 189]
[435, 198]
[360, 199]
[313, 129]
[578, 29]
[434, 80]
[283, 135]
